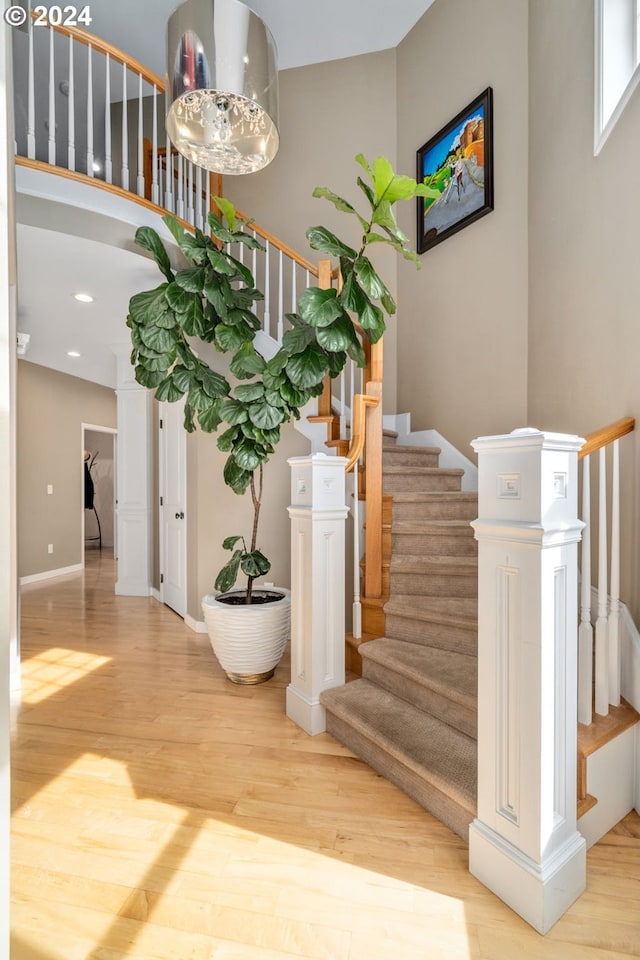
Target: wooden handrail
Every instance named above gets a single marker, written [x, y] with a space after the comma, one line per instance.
[360, 403]
[606, 435]
[96, 43]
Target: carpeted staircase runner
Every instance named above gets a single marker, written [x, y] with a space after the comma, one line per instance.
[413, 715]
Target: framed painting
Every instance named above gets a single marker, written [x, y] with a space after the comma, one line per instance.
[456, 166]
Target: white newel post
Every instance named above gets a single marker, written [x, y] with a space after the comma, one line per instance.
[523, 844]
[133, 481]
[318, 512]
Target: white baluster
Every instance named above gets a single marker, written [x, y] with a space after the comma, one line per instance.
[52, 102]
[198, 219]
[585, 633]
[140, 179]
[614, 608]
[254, 258]
[294, 289]
[180, 202]
[168, 188]
[207, 201]
[125, 132]
[71, 118]
[31, 99]
[357, 604]
[342, 405]
[89, 112]
[267, 289]
[190, 210]
[108, 166]
[602, 657]
[280, 331]
[155, 195]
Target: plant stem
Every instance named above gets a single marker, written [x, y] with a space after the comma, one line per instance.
[256, 498]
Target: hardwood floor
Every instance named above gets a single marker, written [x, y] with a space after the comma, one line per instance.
[162, 813]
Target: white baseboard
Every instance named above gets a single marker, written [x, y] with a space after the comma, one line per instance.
[50, 574]
[198, 626]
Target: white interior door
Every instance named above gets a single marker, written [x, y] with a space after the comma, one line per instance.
[173, 507]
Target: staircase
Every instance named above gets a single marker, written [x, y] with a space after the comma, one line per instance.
[413, 714]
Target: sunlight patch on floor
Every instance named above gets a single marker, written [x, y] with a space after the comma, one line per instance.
[53, 670]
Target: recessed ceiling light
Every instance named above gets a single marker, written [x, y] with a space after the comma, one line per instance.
[73, 353]
[83, 297]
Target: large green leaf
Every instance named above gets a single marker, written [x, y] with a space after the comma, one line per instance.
[157, 363]
[230, 338]
[372, 320]
[385, 218]
[264, 416]
[249, 391]
[352, 296]
[178, 298]
[148, 239]
[319, 307]
[307, 368]
[210, 418]
[364, 163]
[228, 211]
[194, 248]
[293, 395]
[213, 383]
[369, 279]
[193, 318]
[233, 411]
[243, 270]
[185, 355]
[220, 263]
[226, 441]
[255, 564]
[158, 338]
[218, 229]
[148, 378]
[181, 377]
[294, 341]
[235, 477]
[382, 178]
[229, 542]
[247, 362]
[229, 573]
[339, 204]
[326, 242]
[191, 279]
[339, 336]
[247, 455]
[147, 306]
[368, 192]
[214, 293]
[168, 390]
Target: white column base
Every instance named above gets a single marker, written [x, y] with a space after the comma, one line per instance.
[538, 892]
[308, 714]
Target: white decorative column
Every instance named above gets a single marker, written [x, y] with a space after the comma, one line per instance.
[523, 844]
[133, 481]
[318, 511]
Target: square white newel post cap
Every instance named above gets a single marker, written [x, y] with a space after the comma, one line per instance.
[529, 477]
[318, 482]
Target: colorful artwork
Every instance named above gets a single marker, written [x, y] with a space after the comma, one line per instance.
[456, 166]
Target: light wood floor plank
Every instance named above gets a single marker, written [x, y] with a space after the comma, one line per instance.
[162, 813]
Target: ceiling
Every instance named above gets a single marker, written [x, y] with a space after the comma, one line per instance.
[54, 266]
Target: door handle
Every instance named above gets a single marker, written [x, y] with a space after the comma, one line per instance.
[180, 516]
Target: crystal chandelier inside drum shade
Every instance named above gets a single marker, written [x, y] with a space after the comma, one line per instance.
[223, 86]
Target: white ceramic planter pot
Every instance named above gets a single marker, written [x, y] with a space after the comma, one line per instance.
[248, 640]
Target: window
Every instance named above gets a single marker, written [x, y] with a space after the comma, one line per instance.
[617, 33]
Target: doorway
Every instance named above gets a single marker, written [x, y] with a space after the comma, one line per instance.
[98, 489]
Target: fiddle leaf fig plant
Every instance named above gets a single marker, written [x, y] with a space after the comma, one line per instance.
[212, 299]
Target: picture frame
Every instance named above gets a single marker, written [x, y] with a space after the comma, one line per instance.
[457, 165]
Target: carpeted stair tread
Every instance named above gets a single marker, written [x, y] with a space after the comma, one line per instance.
[408, 563]
[426, 748]
[436, 496]
[453, 675]
[459, 611]
[400, 448]
[422, 527]
[422, 471]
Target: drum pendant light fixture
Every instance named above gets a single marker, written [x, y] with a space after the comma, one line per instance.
[222, 85]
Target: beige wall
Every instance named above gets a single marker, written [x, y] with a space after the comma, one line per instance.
[584, 211]
[462, 348]
[329, 112]
[51, 409]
